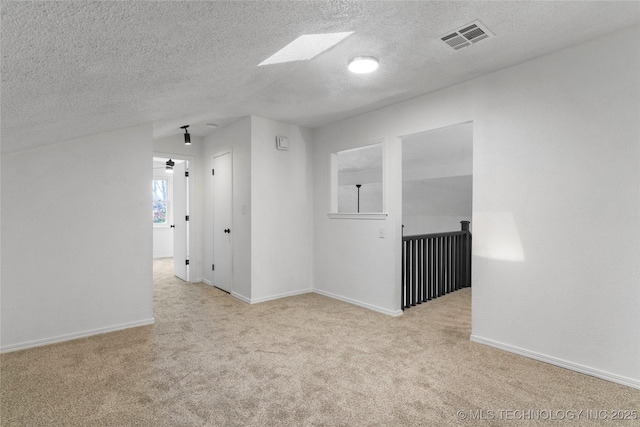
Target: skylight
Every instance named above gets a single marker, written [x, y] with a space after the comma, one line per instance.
[306, 47]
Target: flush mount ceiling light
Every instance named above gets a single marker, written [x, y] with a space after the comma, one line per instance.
[170, 164]
[306, 47]
[363, 64]
[187, 137]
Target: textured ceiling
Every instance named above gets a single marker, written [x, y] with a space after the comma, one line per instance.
[77, 68]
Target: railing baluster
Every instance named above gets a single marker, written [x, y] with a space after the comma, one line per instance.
[443, 263]
[449, 264]
[404, 275]
[453, 263]
[414, 285]
[457, 258]
[438, 242]
[429, 269]
[409, 281]
[447, 277]
[423, 270]
[436, 267]
[407, 274]
[419, 268]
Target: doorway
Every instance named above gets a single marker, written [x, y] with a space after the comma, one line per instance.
[171, 212]
[437, 196]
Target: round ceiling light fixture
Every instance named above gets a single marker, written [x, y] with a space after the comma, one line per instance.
[363, 64]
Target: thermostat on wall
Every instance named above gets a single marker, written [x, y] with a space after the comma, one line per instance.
[282, 143]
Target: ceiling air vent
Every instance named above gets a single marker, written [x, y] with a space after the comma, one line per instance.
[467, 35]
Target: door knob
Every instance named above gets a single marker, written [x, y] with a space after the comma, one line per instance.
[227, 230]
[173, 226]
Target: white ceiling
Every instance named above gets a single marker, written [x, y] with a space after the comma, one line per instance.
[71, 69]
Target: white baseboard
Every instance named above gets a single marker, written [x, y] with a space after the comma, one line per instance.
[327, 294]
[241, 297]
[394, 313]
[278, 296]
[629, 382]
[73, 336]
[388, 312]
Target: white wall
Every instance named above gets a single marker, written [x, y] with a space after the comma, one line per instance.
[237, 139]
[435, 205]
[272, 253]
[162, 242]
[351, 261]
[556, 212]
[76, 238]
[370, 199]
[174, 147]
[427, 224]
[282, 215]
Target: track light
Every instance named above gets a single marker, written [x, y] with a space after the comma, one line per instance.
[187, 137]
[170, 164]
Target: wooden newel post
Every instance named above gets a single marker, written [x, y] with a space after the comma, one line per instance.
[465, 225]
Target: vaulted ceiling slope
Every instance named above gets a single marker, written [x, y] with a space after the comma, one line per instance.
[77, 68]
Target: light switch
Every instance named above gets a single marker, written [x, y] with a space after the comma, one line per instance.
[381, 232]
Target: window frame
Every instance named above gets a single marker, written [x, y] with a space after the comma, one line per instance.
[167, 201]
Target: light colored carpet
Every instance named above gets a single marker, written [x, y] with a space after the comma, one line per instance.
[211, 360]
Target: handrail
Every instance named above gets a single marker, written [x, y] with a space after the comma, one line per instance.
[433, 235]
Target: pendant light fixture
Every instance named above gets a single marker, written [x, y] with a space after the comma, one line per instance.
[187, 137]
[170, 164]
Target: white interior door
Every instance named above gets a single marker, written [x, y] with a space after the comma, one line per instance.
[222, 232]
[180, 223]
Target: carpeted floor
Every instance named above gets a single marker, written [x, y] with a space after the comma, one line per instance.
[211, 360]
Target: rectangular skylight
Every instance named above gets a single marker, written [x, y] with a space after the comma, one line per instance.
[306, 47]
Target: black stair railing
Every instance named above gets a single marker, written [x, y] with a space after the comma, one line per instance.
[435, 264]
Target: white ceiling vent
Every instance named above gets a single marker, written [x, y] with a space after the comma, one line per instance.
[467, 35]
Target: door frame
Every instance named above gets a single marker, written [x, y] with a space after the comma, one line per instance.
[191, 196]
[179, 223]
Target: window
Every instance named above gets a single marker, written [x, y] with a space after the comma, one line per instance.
[160, 202]
[357, 183]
